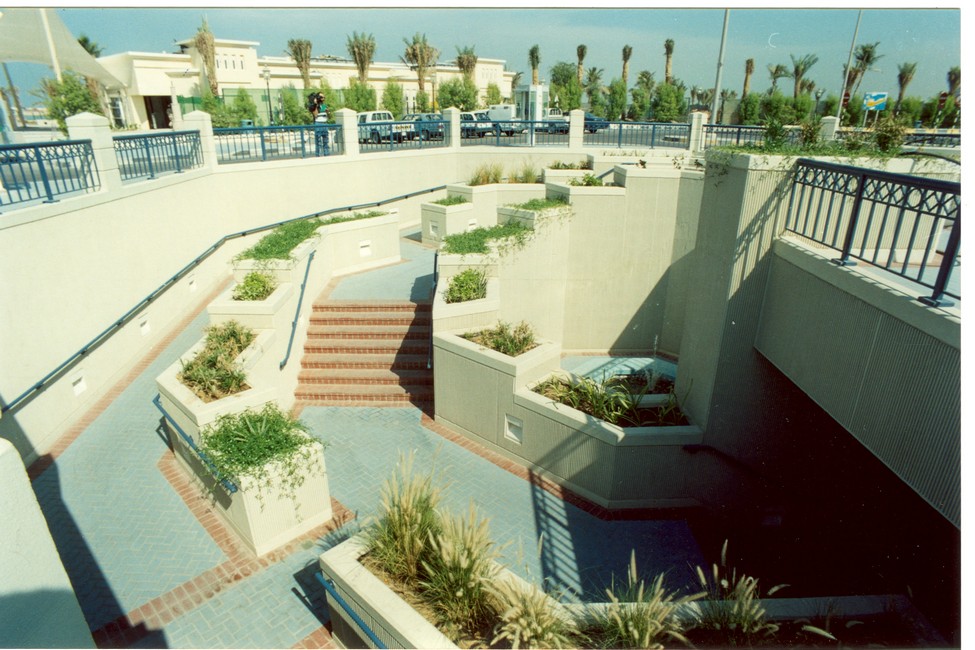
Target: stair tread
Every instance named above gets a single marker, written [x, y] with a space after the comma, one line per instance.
[364, 331]
[339, 360]
[366, 375]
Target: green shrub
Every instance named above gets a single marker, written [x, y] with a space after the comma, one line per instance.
[399, 540]
[527, 173]
[775, 135]
[244, 444]
[809, 133]
[640, 616]
[470, 284]
[614, 400]
[582, 164]
[529, 619]
[506, 339]
[213, 373]
[486, 175]
[475, 241]
[451, 200]
[356, 216]
[542, 204]
[458, 573]
[587, 180]
[256, 285]
[278, 244]
[889, 133]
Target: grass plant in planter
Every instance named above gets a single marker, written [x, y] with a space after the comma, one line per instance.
[486, 174]
[476, 241]
[256, 285]
[451, 200]
[213, 373]
[469, 284]
[588, 180]
[536, 205]
[527, 173]
[245, 445]
[612, 400]
[278, 244]
[506, 339]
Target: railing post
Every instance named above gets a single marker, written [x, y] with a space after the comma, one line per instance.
[828, 126]
[200, 121]
[452, 117]
[696, 140]
[260, 133]
[346, 118]
[87, 126]
[176, 154]
[43, 172]
[619, 136]
[577, 123]
[653, 136]
[844, 259]
[936, 299]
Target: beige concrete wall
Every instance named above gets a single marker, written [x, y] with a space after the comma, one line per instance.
[39, 607]
[891, 379]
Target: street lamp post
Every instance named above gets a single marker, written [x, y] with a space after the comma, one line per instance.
[819, 95]
[266, 73]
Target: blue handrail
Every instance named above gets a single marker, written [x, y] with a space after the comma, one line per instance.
[294, 323]
[127, 316]
[226, 482]
[344, 605]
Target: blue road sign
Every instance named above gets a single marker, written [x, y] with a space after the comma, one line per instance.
[874, 101]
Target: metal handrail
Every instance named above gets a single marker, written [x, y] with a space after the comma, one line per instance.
[330, 588]
[226, 482]
[294, 323]
[127, 316]
[436, 281]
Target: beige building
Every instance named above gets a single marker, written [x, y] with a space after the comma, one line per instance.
[155, 81]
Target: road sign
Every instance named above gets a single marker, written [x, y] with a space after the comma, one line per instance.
[874, 101]
[942, 100]
[846, 98]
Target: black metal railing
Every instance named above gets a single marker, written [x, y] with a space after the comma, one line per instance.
[733, 135]
[294, 323]
[907, 225]
[44, 172]
[148, 155]
[105, 334]
[639, 134]
[928, 139]
[250, 144]
[226, 482]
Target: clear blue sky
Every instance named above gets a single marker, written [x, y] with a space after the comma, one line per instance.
[932, 38]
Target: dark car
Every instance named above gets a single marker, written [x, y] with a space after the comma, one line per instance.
[594, 123]
[429, 126]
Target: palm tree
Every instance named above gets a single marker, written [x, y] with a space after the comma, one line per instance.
[669, 53]
[420, 56]
[205, 46]
[800, 67]
[581, 55]
[645, 81]
[954, 80]
[627, 53]
[515, 80]
[94, 87]
[807, 87]
[749, 69]
[594, 82]
[776, 72]
[905, 73]
[361, 47]
[865, 57]
[534, 58]
[90, 46]
[466, 61]
[300, 50]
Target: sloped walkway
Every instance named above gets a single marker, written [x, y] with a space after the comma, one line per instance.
[153, 567]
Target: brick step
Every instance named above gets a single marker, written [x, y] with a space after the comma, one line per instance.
[369, 319]
[388, 361]
[366, 346]
[371, 307]
[366, 376]
[329, 393]
[351, 331]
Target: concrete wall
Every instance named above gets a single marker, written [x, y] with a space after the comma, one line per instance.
[38, 607]
[891, 379]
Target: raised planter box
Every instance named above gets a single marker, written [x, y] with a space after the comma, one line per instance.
[472, 314]
[270, 313]
[354, 246]
[289, 271]
[192, 414]
[438, 221]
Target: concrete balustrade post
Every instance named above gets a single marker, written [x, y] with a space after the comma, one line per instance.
[202, 122]
[88, 126]
[577, 123]
[346, 118]
[828, 126]
[697, 133]
[452, 117]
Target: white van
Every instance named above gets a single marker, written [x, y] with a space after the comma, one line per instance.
[504, 118]
[376, 126]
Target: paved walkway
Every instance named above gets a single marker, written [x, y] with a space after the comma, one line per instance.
[152, 566]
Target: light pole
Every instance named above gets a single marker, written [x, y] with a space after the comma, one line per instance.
[266, 73]
[819, 95]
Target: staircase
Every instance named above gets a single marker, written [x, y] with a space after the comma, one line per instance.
[367, 353]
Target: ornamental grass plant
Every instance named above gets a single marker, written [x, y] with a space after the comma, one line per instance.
[256, 285]
[278, 244]
[486, 174]
[476, 241]
[529, 619]
[614, 400]
[505, 338]
[213, 372]
[469, 284]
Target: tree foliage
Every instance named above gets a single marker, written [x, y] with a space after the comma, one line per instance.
[207, 49]
[299, 49]
[750, 110]
[565, 86]
[616, 99]
[668, 103]
[360, 97]
[420, 56]
[69, 97]
[776, 107]
[244, 107]
[459, 93]
[362, 48]
[493, 94]
[534, 60]
[393, 100]
[293, 109]
[466, 61]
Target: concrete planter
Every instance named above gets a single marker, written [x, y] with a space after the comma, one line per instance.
[438, 221]
[563, 176]
[264, 514]
[354, 246]
[270, 313]
[191, 413]
[291, 270]
[472, 314]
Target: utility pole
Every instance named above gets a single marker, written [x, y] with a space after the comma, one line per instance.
[717, 79]
[849, 62]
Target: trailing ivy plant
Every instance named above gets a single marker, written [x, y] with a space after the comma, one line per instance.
[475, 241]
[542, 204]
[253, 443]
[256, 285]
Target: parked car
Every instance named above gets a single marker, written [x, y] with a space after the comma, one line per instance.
[594, 123]
[376, 126]
[556, 121]
[484, 123]
[505, 119]
[429, 126]
[471, 126]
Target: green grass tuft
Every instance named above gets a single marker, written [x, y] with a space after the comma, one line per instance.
[476, 240]
[542, 204]
[278, 244]
[470, 284]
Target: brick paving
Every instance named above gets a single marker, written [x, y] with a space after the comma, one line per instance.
[153, 566]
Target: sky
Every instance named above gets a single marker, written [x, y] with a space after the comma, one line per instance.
[929, 37]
